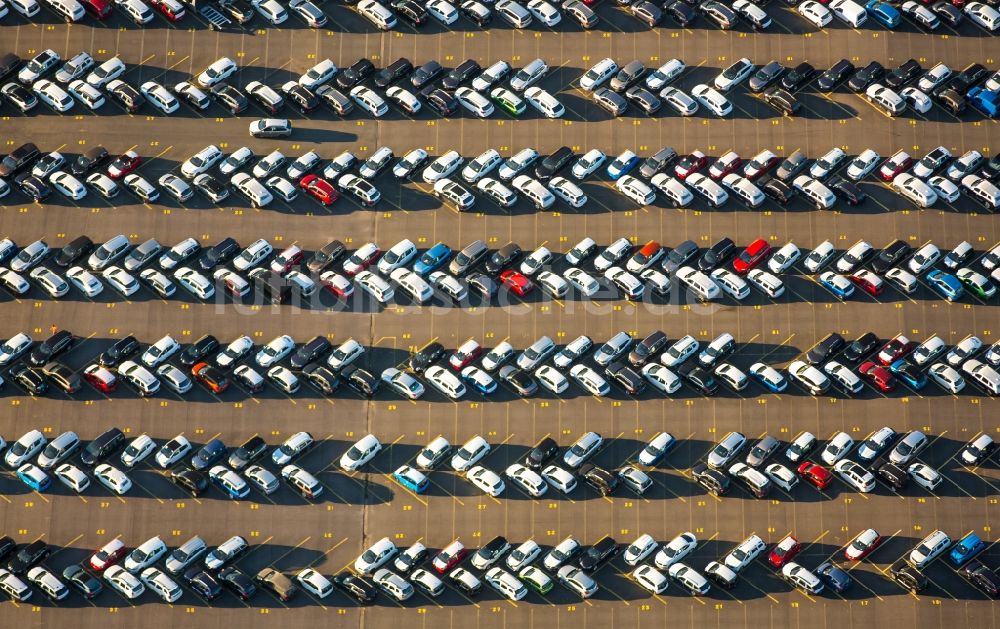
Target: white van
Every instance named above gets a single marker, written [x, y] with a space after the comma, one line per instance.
[820, 195]
[983, 190]
[445, 382]
[69, 10]
[107, 253]
[27, 8]
[745, 191]
[885, 99]
[849, 12]
[636, 190]
[547, 104]
[568, 191]
[598, 74]
[252, 189]
[674, 190]
[711, 191]
[665, 74]
[413, 285]
[399, 255]
[741, 556]
[534, 191]
[915, 190]
[375, 286]
[700, 284]
[984, 374]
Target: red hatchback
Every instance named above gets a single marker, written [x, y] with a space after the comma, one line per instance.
[784, 551]
[879, 376]
[895, 349]
[899, 163]
[690, 164]
[124, 164]
[171, 9]
[98, 8]
[101, 378]
[815, 474]
[319, 188]
[516, 282]
[449, 557]
[750, 257]
[725, 165]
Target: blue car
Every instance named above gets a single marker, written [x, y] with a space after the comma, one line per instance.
[966, 548]
[209, 454]
[884, 13]
[34, 477]
[771, 378]
[479, 380]
[622, 165]
[432, 259]
[987, 102]
[837, 284]
[946, 285]
[909, 373]
[412, 479]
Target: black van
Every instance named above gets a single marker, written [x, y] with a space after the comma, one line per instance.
[102, 447]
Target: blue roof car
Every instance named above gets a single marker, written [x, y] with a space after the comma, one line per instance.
[909, 373]
[34, 477]
[414, 480]
[622, 165]
[432, 259]
[987, 102]
[966, 548]
[771, 378]
[945, 284]
[884, 13]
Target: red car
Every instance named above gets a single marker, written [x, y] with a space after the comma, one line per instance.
[763, 163]
[98, 8]
[465, 354]
[868, 282]
[108, 555]
[750, 257]
[171, 9]
[337, 284]
[124, 164]
[211, 377]
[516, 282]
[367, 255]
[899, 163]
[726, 164]
[449, 557]
[815, 474]
[863, 545]
[895, 349]
[319, 188]
[878, 375]
[101, 378]
[784, 551]
[690, 164]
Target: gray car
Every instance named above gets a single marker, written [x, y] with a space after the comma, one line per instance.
[726, 450]
[765, 76]
[762, 450]
[630, 73]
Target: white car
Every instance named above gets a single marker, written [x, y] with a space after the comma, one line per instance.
[201, 161]
[675, 550]
[926, 477]
[442, 11]
[275, 351]
[470, 453]
[487, 481]
[363, 451]
[524, 555]
[442, 167]
[837, 448]
[220, 70]
[735, 74]
[124, 582]
[271, 10]
[784, 258]
[588, 163]
[72, 477]
[85, 281]
[855, 475]
[113, 478]
[559, 478]
[194, 282]
[544, 12]
[650, 579]
[947, 377]
[984, 15]
[661, 378]
[815, 13]
[711, 99]
[680, 351]
[375, 556]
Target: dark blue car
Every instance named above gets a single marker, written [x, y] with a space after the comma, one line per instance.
[909, 373]
[432, 259]
[966, 548]
[945, 284]
[209, 454]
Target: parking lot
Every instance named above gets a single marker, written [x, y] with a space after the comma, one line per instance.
[291, 533]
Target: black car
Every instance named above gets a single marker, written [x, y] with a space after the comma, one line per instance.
[836, 75]
[602, 551]
[838, 580]
[521, 381]
[197, 351]
[647, 347]
[679, 256]
[714, 481]
[492, 550]
[890, 255]
[208, 455]
[865, 76]
[29, 556]
[203, 584]
[126, 95]
[991, 169]
[551, 165]
[782, 100]
[541, 454]
[358, 72]
[247, 453]
[239, 10]
[482, 284]
[119, 352]
[625, 377]
[393, 72]
[600, 480]
[502, 258]
[425, 74]
[825, 348]
[324, 257]
[846, 190]
[778, 190]
[982, 577]
[359, 588]
[765, 76]
[716, 255]
[73, 251]
[301, 97]
[335, 99]
[81, 579]
[9, 64]
[861, 347]
[18, 159]
[442, 102]
[907, 576]
[102, 447]
[213, 189]
[411, 11]
[680, 12]
[464, 72]
[720, 15]
[322, 378]
[33, 186]
[312, 350]
[892, 475]
[218, 254]
[699, 378]
[947, 13]
[229, 97]
[361, 380]
[951, 100]
[239, 583]
[798, 77]
[7, 546]
[194, 483]
[657, 162]
[477, 13]
[906, 72]
[426, 357]
[30, 379]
